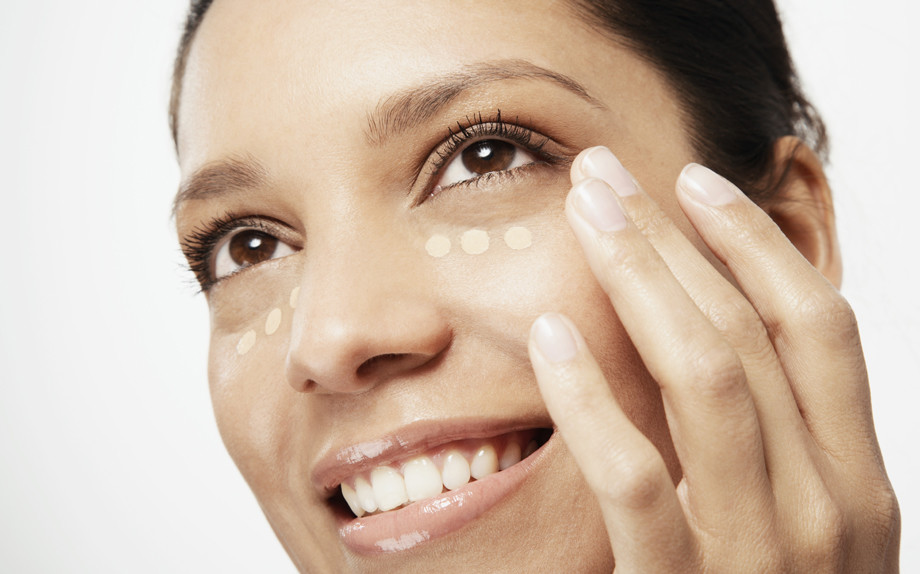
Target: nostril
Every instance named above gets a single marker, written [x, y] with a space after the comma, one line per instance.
[372, 364]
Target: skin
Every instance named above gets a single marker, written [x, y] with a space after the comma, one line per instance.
[761, 417]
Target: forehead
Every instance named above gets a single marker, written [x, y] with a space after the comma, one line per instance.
[258, 65]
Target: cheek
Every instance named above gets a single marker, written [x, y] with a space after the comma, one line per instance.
[250, 331]
[503, 290]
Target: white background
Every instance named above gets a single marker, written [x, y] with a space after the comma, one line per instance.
[109, 456]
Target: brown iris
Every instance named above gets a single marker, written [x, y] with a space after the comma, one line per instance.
[252, 246]
[488, 156]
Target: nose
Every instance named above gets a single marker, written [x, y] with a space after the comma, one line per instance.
[360, 322]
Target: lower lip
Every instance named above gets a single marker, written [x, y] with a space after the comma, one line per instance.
[400, 530]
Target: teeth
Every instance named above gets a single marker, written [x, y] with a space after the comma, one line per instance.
[531, 448]
[456, 471]
[365, 495]
[351, 497]
[422, 479]
[511, 456]
[389, 488]
[485, 462]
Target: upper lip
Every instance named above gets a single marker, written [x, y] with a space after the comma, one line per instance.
[340, 463]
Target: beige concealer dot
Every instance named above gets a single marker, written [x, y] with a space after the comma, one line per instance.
[273, 321]
[438, 246]
[475, 241]
[518, 238]
[295, 295]
[247, 342]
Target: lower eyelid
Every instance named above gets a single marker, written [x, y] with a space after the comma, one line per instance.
[282, 249]
[490, 177]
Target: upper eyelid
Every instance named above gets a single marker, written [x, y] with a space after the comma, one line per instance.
[473, 138]
[265, 225]
[268, 225]
[478, 129]
[217, 230]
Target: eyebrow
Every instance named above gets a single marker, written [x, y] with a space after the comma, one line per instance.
[236, 174]
[406, 108]
[391, 117]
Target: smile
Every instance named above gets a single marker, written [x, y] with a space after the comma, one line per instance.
[446, 468]
[402, 501]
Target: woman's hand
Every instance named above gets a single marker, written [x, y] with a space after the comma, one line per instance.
[765, 390]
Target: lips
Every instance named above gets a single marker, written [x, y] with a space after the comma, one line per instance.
[401, 492]
[444, 468]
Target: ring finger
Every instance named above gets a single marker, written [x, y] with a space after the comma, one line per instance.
[711, 413]
[720, 301]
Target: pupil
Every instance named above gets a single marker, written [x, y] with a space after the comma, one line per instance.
[251, 246]
[488, 156]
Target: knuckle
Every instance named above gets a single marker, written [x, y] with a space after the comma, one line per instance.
[825, 311]
[769, 556]
[749, 234]
[823, 542]
[623, 258]
[737, 321]
[636, 483]
[717, 372]
[650, 219]
[732, 315]
[887, 513]
[833, 527]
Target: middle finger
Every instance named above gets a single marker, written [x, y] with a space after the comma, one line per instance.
[721, 302]
[710, 410]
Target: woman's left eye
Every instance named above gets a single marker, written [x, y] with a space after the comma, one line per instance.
[481, 158]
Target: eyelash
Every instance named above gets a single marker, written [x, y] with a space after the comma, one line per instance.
[199, 246]
[476, 130]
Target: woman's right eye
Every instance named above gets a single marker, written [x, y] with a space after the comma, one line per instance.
[247, 247]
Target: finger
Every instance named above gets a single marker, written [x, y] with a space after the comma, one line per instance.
[706, 396]
[720, 301]
[812, 326]
[647, 528]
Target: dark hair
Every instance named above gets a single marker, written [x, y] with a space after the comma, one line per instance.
[727, 60]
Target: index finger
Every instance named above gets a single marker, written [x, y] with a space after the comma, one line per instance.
[645, 521]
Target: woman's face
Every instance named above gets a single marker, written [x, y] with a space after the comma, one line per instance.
[323, 145]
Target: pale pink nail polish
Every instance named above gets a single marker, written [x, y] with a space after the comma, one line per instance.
[554, 338]
[706, 186]
[597, 205]
[602, 164]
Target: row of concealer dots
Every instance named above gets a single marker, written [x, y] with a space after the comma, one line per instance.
[476, 241]
[473, 242]
[272, 323]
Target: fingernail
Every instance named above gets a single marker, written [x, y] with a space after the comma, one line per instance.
[554, 338]
[602, 164]
[707, 186]
[595, 203]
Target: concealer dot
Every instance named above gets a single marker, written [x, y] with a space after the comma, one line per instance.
[273, 322]
[475, 241]
[246, 343]
[295, 294]
[518, 238]
[438, 246]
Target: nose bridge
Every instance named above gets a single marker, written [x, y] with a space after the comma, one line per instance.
[365, 312]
